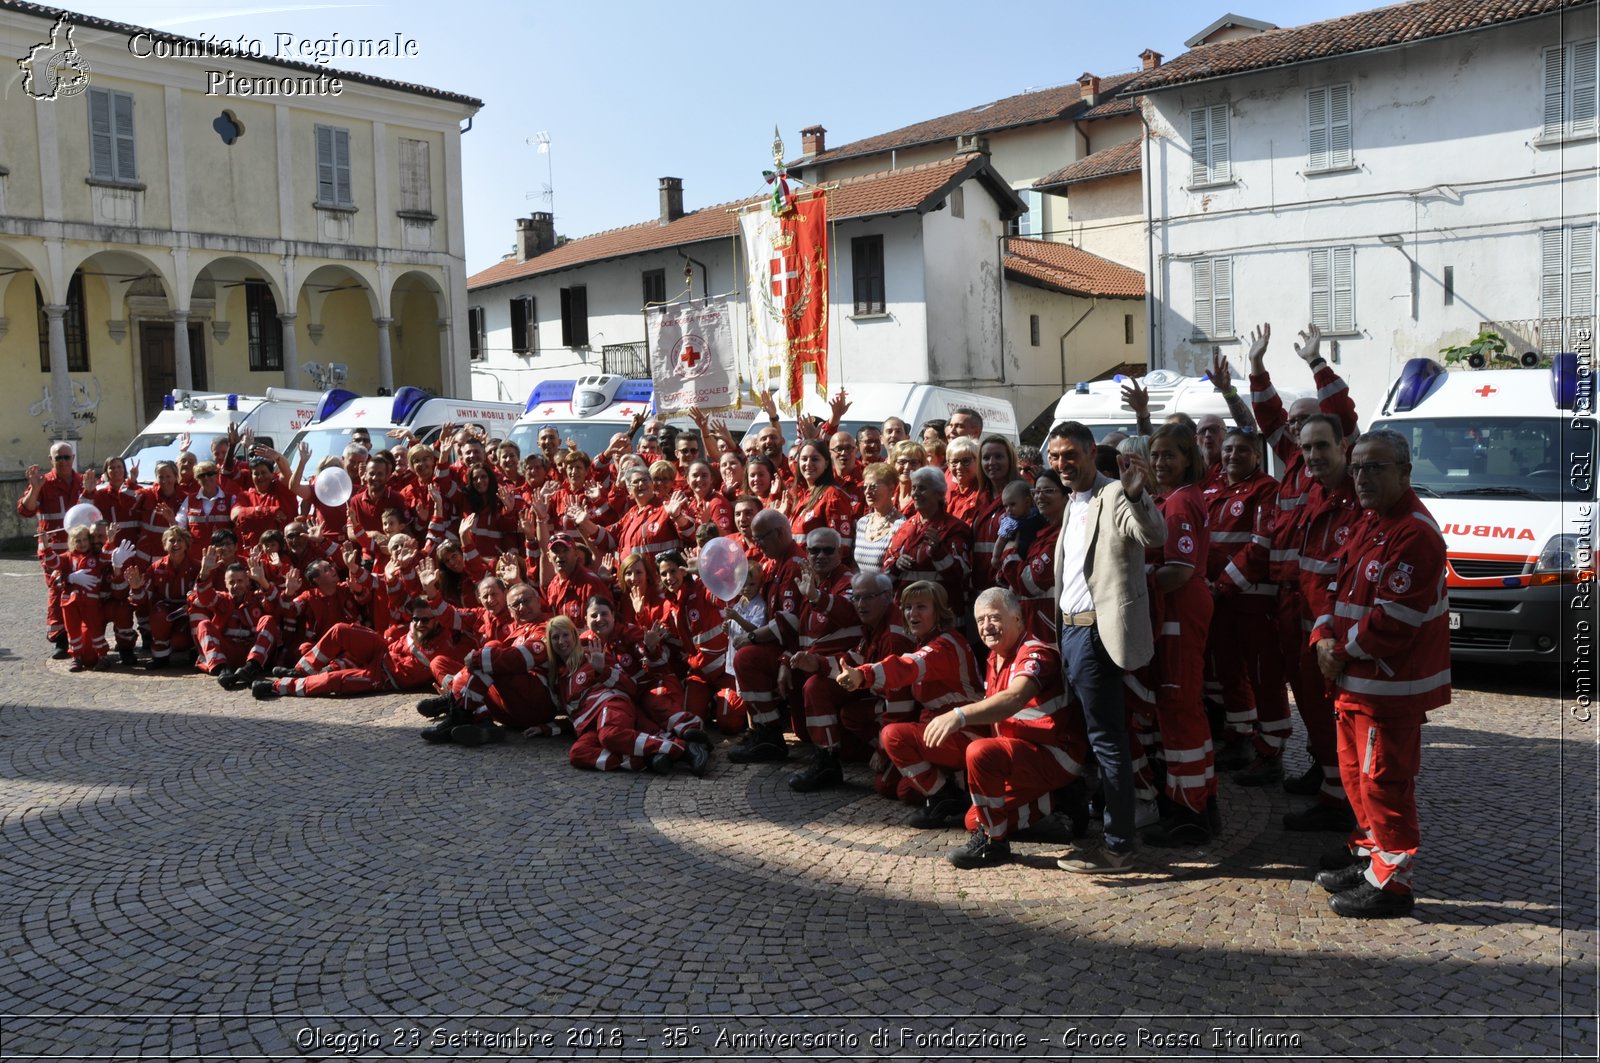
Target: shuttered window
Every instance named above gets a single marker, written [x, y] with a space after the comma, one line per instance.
[524, 326]
[1566, 286]
[333, 167]
[477, 340]
[866, 272]
[575, 316]
[1328, 127]
[1208, 145]
[1213, 297]
[416, 191]
[1569, 90]
[1333, 289]
[111, 154]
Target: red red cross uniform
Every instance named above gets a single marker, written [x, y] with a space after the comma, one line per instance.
[831, 508]
[986, 529]
[1387, 613]
[1247, 666]
[1327, 522]
[600, 702]
[1032, 578]
[351, 659]
[829, 628]
[120, 507]
[942, 674]
[696, 619]
[231, 631]
[203, 515]
[947, 561]
[153, 523]
[83, 579]
[755, 665]
[570, 597]
[165, 598]
[657, 692]
[256, 512]
[1034, 752]
[647, 530]
[496, 530]
[507, 681]
[315, 613]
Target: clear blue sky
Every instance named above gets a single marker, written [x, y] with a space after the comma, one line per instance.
[632, 91]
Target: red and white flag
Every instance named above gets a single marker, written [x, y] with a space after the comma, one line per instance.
[786, 261]
[692, 358]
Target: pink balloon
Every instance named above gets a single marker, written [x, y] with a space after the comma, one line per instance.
[723, 568]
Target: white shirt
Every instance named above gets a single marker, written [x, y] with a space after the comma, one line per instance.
[1075, 597]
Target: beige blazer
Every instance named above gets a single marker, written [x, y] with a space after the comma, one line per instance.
[1119, 531]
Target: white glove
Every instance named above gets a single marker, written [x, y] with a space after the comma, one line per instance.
[120, 554]
[86, 580]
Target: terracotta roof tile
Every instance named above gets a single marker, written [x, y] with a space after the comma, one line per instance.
[887, 192]
[1109, 162]
[1064, 268]
[79, 19]
[1363, 31]
[1023, 109]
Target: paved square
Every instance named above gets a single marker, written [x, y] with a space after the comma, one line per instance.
[188, 872]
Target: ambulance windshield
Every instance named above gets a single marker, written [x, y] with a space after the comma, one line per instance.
[1548, 459]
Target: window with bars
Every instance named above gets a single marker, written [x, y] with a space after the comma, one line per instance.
[1566, 286]
[1569, 90]
[416, 186]
[575, 316]
[1333, 289]
[477, 339]
[111, 141]
[1328, 128]
[1208, 146]
[73, 322]
[265, 330]
[1212, 279]
[866, 272]
[524, 325]
[654, 282]
[333, 167]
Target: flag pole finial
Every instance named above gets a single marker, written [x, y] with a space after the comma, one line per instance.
[777, 148]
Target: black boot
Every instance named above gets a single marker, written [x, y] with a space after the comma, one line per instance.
[661, 763]
[1366, 901]
[264, 690]
[950, 802]
[698, 758]
[1346, 878]
[1182, 829]
[62, 653]
[127, 657]
[763, 745]
[156, 664]
[435, 706]
[1307, 785]
[824, 771]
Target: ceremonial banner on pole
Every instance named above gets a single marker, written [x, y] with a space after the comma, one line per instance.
[786, 262]
[692, 359]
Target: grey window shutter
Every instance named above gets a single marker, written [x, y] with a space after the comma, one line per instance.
[1555, 91]
[122, 124]
[325, 186]
[341, 167]
[102, 152]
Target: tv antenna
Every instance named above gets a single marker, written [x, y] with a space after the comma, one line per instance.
[540, 142]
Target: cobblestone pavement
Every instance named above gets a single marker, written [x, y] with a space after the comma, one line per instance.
[191, 873]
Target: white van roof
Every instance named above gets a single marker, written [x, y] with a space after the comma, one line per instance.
[409, 406]
[871, 402]
[1099, 403]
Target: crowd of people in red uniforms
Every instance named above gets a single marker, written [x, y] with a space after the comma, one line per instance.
[907, 604]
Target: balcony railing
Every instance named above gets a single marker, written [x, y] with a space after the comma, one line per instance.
[1547, 335]
[625, 359]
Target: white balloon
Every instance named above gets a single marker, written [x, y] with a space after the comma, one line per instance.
[82, 515]
[723, 567]
[332, 486]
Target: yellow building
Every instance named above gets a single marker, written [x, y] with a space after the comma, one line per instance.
[174, 217]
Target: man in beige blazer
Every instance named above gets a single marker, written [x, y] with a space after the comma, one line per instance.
[1105, 617]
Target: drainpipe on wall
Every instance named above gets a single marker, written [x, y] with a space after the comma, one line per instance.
[1093, 302]
[1152, 330]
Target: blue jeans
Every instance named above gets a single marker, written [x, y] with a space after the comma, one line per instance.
[1097, 682]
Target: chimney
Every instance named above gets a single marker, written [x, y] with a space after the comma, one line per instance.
[536, 234]
[671, 199]
[1150, 58]
[972, 142]
[1089, 88]
[812, 140]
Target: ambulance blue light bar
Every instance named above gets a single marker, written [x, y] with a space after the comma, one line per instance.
[168, 403]
[1564, 381]
[233, 402]
[636, 391]
[406, 401]
[1416, 377]
[550, 391]
[334, 400]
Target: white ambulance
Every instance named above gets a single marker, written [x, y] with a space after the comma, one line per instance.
[1504, 460]
[341, 413]
[914, 404]
[206, 415]
[1100, 406]
[591, 409]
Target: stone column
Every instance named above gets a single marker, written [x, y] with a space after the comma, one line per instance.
[291, 352]
[60, 378]
[385, 356]
[182, 361]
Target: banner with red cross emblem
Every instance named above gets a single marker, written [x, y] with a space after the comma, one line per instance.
[692, 357]
[786, 266]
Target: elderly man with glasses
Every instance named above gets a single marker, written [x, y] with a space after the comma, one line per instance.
[932, 545]
[1382, 639]
[48, 497]
[758, 655]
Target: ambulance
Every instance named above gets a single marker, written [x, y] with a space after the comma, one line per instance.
[1099, 404]
[915, 404]
[205, 416]
[1504, 460]
[340, 413]
[591, 409]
